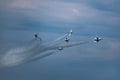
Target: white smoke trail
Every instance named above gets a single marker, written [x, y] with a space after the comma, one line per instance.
[39, 56]
[13, 57]
[60, 38]
[20, 55]
[31, 51]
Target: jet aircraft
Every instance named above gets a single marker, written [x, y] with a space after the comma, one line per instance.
[67, 39]
[97, 39]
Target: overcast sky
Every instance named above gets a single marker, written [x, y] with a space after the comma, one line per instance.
[20, 19]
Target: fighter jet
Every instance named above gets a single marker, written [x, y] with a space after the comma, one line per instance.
[67, 39]
[37, 37]
[97, 39]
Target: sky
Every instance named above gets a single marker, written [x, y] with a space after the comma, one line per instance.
[21, 19]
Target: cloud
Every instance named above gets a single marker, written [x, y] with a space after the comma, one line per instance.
[22, 4]
[64, 12]
[107, 2]
[23, 18]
